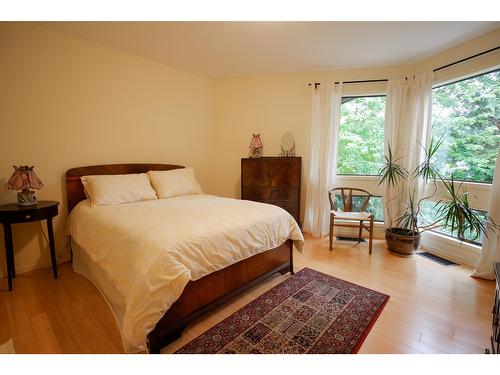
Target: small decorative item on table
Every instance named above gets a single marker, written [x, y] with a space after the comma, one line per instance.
[22, 180]
[256, 147]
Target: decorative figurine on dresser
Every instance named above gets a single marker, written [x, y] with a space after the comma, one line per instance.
[274, 180]
[287, 145]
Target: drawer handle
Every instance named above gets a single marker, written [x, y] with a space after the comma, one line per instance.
[28, 216]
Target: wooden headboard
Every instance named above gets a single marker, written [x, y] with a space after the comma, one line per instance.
[74, 186]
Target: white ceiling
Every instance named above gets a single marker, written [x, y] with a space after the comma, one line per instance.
[223, 49]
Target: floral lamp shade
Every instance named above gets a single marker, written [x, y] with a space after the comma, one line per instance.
[22, 180]
[256, 146]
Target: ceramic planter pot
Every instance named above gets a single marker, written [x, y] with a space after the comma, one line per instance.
[403, 242]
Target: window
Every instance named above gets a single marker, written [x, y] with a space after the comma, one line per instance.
[467, 115]
[361, 135]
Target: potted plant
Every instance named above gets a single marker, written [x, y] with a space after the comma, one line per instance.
[453, 209]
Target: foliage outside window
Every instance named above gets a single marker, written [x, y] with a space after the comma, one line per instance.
[430, 213]
[466, 114]
[361, 135]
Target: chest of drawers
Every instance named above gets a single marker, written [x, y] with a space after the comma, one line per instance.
[273, 180]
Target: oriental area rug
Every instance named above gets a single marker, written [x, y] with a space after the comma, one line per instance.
[310, 312]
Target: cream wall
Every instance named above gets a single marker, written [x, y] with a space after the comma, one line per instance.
[66, 102]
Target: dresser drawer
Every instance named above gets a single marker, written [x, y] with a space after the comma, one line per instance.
[284, 173]
[274, 194]
[288, 206]
[24, 216]
[284, 194]
[255, 193]
[274, 180]
[254, 172]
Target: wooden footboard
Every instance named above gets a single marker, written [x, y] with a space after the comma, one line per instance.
[205, 294]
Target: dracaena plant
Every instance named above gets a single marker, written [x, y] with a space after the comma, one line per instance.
[453, 209]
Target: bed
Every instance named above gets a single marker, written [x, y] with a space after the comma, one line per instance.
[198, 295]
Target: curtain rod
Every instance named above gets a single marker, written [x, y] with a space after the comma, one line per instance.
[467, 58]
[316, 84]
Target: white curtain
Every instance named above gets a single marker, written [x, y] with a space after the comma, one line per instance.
[490, 251]
[407, 126]
[326, 100]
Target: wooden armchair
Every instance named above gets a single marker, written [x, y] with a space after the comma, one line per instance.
[351, 211]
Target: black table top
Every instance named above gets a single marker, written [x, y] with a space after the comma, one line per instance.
[40, 205]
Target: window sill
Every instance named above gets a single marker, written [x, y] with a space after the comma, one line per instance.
[356, 177]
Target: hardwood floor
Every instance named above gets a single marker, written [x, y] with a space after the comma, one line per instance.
[432, 309]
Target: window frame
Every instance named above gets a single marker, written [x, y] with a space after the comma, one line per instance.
[464, 78]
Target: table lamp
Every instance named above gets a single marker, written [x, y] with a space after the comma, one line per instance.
[22, 180]
[256, 146]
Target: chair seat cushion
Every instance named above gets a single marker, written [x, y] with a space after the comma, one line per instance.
[351, 215]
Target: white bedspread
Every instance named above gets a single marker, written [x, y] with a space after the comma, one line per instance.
[150, 250]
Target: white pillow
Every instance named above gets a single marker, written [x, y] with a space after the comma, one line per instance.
[119, 188]
[174, 182]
